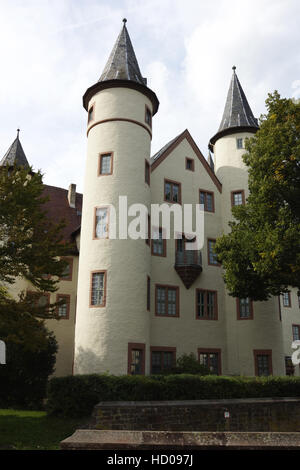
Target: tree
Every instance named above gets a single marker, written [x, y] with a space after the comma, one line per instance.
[30, 357]
[261, 254]
[31, 244]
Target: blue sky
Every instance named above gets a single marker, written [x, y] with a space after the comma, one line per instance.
[51, 51]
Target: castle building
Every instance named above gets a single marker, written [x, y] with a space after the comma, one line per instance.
[135, 305]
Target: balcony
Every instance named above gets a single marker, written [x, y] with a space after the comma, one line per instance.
[188, 265]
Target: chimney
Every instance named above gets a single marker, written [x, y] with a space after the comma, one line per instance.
[72, 195]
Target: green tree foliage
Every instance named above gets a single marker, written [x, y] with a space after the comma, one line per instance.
[31, 244]
[261, 255]
[30, 354]
[31, 247]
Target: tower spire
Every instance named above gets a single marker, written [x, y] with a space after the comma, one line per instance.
[15, 155]
[237, 115]
[122, 63]
[122, 70]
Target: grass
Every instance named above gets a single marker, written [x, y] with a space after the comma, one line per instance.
[33, 430]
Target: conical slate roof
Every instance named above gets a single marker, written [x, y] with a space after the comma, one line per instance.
[237, 115]
[15, 155]
[122, 63]
[122, 70]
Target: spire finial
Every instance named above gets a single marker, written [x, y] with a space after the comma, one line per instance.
[124, 21]
[234, 68]
[18, 131]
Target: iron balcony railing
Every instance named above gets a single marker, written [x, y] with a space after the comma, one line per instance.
[188, 258]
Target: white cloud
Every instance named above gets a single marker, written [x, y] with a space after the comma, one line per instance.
[51, 51]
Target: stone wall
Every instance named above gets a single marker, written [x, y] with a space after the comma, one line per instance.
[238, 415]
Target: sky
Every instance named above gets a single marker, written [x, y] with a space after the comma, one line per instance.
[51, 51]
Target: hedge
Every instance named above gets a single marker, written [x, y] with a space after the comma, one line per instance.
[75, 396]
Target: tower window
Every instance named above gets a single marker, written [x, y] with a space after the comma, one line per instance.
[238, 197]
[167, 301]
[206, 304]
[189, 164]
[101, 222]
[148, 116]
[105, 164]
[98, 288]
[207, 199]
[172, 191]
[136, 359]
[91, 113]
[244, 309]
[147, 172]
[239, 143]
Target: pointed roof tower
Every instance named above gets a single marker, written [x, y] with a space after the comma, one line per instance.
[237, 115]
[122, 63]
[122, 70]
[15, 154]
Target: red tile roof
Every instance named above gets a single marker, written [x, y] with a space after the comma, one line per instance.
[58, 208]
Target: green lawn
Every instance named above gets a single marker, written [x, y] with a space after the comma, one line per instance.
[34, 430]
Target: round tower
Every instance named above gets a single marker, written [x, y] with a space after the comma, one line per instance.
[228, 145]
[253, 329]
[112, 321]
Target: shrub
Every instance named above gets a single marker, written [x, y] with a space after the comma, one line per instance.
[30, 359]
[188, 364]
[75, 396]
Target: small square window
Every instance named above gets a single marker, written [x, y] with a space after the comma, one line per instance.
[189, 164]
[239, 143]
